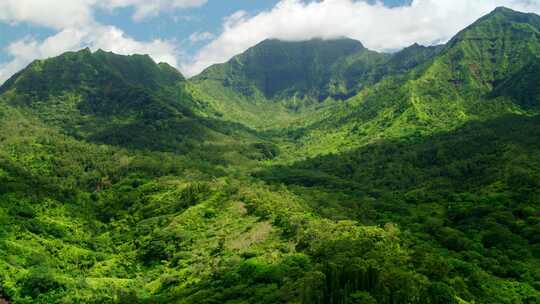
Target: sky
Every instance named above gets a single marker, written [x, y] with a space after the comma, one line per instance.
[194, 34]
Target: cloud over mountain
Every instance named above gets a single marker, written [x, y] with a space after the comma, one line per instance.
[77, 28]
[379, 27]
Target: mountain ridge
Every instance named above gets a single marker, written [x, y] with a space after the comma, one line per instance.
[123, 100]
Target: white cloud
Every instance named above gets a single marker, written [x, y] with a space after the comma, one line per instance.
[200, 36]
[27, 49]
[57, 14]
[377, 26]
[115, 40]
[151, 8]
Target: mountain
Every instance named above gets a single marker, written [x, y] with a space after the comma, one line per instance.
[490, 52]
[280, 69]
[92, 73]
[124, 100]
[299, 78]
[315, 69]
[469, 78]
[444, 151]
[466, 80]
[307, 172]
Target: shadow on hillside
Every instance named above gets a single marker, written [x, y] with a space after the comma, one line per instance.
[202, 137]
[473, 191]
[475, 155]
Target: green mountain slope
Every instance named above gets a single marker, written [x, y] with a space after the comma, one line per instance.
[471, 195]
[315, 69]
[292, 83]
[91, 223]
[279, 69]
[469, 79]
[486, 54]
[128, 101]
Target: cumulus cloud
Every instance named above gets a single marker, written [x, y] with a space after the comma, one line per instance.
[377, 26]
[56, 14]
[103, 37]
[115, 40]
[77, 28]
[200, 36]
[150, 8]
[60, 14]
[27, 49]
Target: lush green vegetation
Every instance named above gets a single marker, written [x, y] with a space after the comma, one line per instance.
[299, 172]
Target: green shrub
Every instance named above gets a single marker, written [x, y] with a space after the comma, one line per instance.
[38, 282]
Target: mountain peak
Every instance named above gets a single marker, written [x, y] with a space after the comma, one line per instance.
[73, 69]
[105, 97]
[277, 68]
[415, 46]
[502, 13]
[503, 9]
[495, 25]
[86, 50]
[313, 42]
